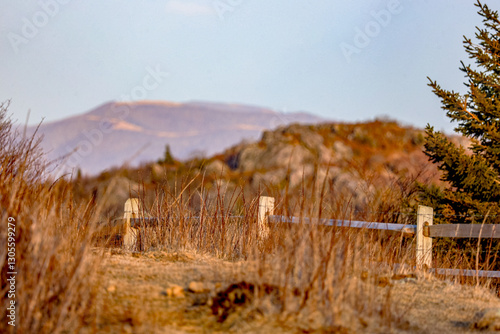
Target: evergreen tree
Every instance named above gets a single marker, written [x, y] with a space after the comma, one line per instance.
[473, 173]
[168, 158]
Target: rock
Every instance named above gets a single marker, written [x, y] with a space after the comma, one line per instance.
[217, 168]
[121, 188]
[409, 280]
[270, 177]
[325, 156]
[342, 151]
[111, 288]
[175, 291]
[198, 287]
[298, 175]
[249, 158]
[280, 155]
[488, 319]
[157, 171]
[405, 278]
[229, 300]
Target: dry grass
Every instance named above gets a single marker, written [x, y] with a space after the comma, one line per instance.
[55, 283]
[332, 274]
[135, 299]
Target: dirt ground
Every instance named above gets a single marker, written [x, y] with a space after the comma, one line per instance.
[159, 292]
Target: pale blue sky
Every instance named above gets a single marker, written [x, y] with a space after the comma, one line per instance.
[285, 55]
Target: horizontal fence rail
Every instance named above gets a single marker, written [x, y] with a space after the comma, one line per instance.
[487, 231]
[465, 272]
[454, 272]
[409, 229]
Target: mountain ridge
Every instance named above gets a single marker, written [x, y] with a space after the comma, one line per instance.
[115, 133]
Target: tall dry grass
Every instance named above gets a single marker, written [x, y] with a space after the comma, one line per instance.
[340, 275]
[55, 280]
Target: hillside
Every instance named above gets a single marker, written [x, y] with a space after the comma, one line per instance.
[117, 133]
[366, 167]
[299, 152]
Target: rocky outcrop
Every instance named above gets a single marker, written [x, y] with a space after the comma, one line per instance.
[345, 156]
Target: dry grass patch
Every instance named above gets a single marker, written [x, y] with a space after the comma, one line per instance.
[135, 299]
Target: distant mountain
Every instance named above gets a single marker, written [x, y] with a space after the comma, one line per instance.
[134, 132]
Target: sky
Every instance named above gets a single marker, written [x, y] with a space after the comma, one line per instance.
[343, 60]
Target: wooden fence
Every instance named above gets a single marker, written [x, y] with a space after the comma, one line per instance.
[424, 231]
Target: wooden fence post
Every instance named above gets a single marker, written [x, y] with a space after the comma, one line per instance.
[266, 207]
[131, 210]
[424, 242]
